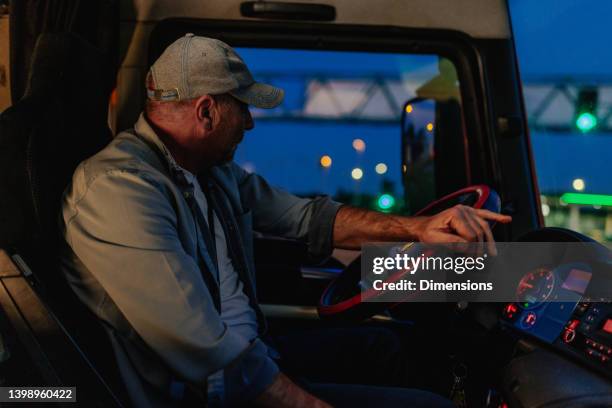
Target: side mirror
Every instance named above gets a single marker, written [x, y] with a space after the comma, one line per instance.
[418, 129]
[434, 158]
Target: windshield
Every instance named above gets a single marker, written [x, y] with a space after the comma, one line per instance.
[568, 96]
[338, 131]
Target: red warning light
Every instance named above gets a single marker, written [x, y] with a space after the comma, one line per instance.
[510, 311]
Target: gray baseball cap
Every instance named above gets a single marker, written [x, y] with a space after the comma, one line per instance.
[193, 66]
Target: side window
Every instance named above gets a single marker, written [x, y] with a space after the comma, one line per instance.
[375, 130]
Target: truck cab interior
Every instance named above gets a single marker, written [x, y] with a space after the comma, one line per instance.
[432, 88]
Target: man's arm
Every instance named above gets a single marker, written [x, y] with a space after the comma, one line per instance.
[280, 213]
[354, 226]
[285, 393]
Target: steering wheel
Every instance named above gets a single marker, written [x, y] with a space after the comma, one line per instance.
[344, 299]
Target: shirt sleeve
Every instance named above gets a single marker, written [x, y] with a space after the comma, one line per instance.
[124, 230]
[277, 212]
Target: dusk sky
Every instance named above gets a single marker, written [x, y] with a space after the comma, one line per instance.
[567, 39]
[563, 37]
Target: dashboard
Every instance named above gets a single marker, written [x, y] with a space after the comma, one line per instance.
[568, 308]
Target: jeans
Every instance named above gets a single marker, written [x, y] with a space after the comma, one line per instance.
[353, 367]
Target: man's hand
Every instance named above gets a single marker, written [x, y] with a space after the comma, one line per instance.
[460, 224]
[285, 393]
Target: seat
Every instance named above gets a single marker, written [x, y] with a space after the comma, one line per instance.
[60, 121]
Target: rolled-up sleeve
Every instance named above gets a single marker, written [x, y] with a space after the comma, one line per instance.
[250, 374]
[280, 213]
[124, 230]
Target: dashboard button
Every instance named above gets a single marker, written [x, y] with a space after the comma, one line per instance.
[573, 324]
[593, 353]
[581, 309]
[569, 336]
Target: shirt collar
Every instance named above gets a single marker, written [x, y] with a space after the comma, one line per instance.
[144, 129]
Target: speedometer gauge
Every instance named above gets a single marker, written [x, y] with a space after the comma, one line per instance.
[535, 287]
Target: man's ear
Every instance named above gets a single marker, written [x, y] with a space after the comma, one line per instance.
[204, 108]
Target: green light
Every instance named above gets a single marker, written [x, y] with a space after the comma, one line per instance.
[586, 121]
[587, 199]
[386, 201]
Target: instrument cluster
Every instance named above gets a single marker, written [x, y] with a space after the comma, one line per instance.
[559, 306]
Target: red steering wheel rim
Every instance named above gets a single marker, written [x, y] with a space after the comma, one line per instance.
[485, 194]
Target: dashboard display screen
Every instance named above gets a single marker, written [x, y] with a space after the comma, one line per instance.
[577, 281]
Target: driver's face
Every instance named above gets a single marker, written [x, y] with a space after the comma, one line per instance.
[236, 119]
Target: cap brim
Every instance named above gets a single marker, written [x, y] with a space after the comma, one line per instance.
[260, 95]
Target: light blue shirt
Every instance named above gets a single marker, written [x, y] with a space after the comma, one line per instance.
[235, 309]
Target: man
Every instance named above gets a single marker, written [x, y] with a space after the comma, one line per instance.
[160, 225]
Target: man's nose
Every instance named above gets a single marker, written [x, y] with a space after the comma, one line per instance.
[249, 123]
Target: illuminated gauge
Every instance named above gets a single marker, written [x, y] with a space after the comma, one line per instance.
[529, 320]
[535, 287]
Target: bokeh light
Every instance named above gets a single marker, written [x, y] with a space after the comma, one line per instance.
[386, 202]
[325, 161]
[359, 145]
[578, 184]
[381, 168]
[585, 122]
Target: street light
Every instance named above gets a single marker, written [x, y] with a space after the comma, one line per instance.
[585, 116]
[586, 121]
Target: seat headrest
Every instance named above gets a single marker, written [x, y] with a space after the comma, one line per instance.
[66, 66]
[61, 120]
